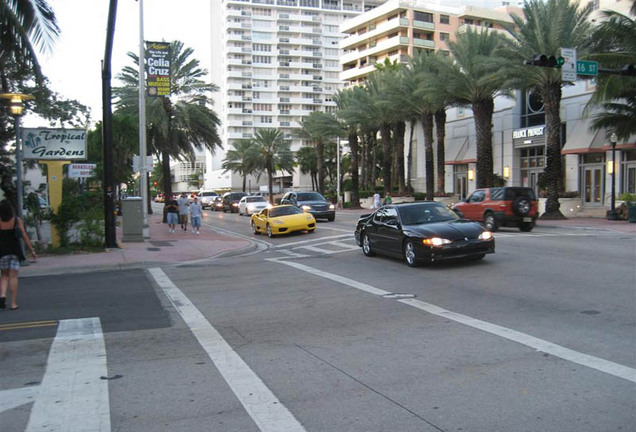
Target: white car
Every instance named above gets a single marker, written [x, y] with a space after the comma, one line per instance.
[252, 204]
[207, 198]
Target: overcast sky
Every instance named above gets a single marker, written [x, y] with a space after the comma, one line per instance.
[74, 67]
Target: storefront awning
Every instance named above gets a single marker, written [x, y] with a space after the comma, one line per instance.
[460, 151]
[580, 139]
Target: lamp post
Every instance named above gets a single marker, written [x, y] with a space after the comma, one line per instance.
[612, 215]
[16, 104]
[338, 172]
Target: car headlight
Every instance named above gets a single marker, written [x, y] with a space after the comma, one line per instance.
[332, 207]
[306, 208]
[309, 217]
[486, 235]
[234, 204]
[435, 241]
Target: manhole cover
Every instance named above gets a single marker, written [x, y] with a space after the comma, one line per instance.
[397, 296]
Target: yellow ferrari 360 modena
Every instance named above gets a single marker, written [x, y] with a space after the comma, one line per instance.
[282, 219]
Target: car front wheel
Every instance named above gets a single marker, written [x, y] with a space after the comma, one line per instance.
[254, 229]
[366, 246]
[410, 255]
[270, 234]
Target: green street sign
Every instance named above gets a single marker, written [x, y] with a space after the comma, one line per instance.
[589, 68]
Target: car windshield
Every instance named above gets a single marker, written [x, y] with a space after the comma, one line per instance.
[255, 199]
[422, 214]
[310, 196]
[284, 211]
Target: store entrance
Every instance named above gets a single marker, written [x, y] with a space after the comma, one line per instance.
[593, 185]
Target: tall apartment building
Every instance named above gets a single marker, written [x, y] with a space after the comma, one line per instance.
[275, 61]
[399, 29]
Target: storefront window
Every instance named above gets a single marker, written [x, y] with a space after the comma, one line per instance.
[532, 163]
[628, 170]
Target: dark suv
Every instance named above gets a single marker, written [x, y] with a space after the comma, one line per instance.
[231, 201]
[311, 202]
[501, 206]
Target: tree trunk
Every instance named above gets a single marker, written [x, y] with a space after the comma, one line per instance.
[483, 110]
[363, 163]
[440, 128]
[427, 125]
[167, 183]
[399, 155]
[353, 146]
[244, 182]
[409, 159]
[320, 156]
[385, 133]
[270, 180]
[553, 170]
[373, 161]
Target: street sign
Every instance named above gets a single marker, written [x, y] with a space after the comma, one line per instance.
[81, 170]
[589, 68]
[568, 70]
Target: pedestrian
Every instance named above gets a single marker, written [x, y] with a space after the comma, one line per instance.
[172, 214]
[11, 230]
[184, 203]
[387, 199]
[195, 215]
[376, 200]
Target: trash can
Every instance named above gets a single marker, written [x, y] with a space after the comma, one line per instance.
[631, 211]
[132, 220]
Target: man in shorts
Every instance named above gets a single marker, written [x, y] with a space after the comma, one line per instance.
[184, 212]
[195, 215]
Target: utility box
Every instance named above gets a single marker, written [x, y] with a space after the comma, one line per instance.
[132, 220]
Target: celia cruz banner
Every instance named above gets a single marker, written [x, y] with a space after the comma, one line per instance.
[53, 144]
[158, 68]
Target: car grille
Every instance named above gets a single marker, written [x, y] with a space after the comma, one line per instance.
[320, 207]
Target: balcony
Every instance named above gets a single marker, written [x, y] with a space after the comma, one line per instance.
[424, 43]
[382, 29]
[424, 25]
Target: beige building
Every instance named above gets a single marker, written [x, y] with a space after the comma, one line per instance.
[399, 29]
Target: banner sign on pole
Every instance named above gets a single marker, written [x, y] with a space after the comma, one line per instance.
[158, 68]
[53, 144]
[81, 170]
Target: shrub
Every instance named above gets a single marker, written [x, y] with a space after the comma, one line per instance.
[419, 196]
[627, 197]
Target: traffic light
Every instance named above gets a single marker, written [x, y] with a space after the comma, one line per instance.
[628, 70]
[543, 60]
[154, 183]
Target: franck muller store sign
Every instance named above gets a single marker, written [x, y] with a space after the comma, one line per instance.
[53, 144]
[529, 137]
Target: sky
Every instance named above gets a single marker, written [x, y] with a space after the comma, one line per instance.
[74, 66]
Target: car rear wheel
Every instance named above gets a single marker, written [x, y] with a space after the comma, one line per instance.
[490, 223]
[270, 234]
[366, 246]
[526, 226]
[410, 255]
[254, 229]
[521, 206]
[331, 218]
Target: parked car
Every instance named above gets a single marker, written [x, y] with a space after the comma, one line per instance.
[249, 205]
[311, 202]
[501, 206]
[231, 201]
[422, 233]
[282, 219]
[217, 205]
[206, 198]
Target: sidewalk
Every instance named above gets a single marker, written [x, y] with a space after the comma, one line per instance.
[170, 248]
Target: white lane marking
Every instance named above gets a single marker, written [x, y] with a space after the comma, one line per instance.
[293, 254]
[73, 396]
[322, 227]
[602, 365]
[324, 251]
[13, 398]
[289, 245]
[348, 246]
[269, 414]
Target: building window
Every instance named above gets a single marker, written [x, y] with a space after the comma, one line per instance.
[266, 119]
[532, 165]
[423, 16]
[444, 19]
[444, 37]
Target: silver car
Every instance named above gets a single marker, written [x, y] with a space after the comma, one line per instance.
[252, 204]
[207, 198]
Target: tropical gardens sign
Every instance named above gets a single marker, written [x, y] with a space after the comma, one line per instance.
[53, 144]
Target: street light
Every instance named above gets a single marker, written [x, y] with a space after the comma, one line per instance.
[612, 215]
[16, 104]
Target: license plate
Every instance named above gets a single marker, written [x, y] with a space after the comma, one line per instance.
[527, 219]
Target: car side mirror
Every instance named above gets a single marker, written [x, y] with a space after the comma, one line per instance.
[392, 223]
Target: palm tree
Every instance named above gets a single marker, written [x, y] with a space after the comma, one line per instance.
[276, 154]
[475, 78]
[26, 25]
[241, 159]
[613, 44]
[319, 128]
[308, 164]
[545, 27]
[181, 123]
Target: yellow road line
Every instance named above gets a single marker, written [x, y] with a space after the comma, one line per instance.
[25, 325]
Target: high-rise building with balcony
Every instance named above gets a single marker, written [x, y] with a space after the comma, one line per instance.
[275, 61]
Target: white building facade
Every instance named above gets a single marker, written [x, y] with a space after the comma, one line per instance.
[275, 61]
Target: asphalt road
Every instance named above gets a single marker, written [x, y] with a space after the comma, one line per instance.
[306, 334]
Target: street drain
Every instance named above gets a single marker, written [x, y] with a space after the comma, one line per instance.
[397, 296]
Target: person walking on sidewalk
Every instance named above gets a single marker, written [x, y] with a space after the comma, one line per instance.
[172, 214]
[184, 203]
[195, 215]
[11, 230]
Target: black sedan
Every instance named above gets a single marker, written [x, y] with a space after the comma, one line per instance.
[422, 233]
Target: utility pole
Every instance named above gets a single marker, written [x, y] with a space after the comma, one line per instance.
[143, 166]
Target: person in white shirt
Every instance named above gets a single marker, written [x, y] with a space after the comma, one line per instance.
[184, 203]
[376, 200]
[195, 215]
